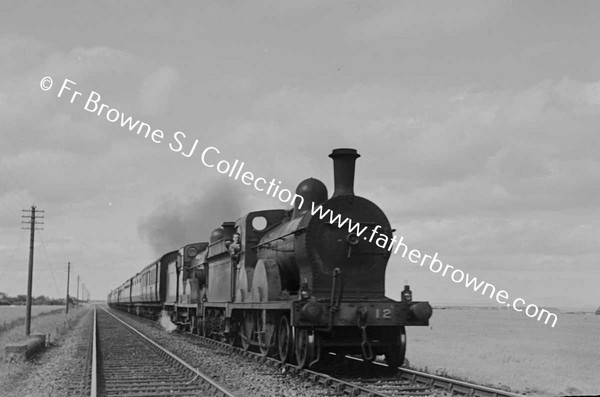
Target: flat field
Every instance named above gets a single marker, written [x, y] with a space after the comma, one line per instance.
[500, 347]
[9, 314]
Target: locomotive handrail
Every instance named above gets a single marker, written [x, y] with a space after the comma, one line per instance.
[198, 266]
[297, 231]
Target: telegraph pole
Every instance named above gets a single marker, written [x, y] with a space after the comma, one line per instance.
[68, 279]
[78, 290]
[32, 228]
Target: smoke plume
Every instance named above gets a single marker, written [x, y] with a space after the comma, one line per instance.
[176, 222]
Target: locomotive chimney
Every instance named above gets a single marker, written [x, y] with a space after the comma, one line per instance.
[228, 229]
[344, 161]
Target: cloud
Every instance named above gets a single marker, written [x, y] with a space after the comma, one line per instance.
[21, 96]
[33, 118]
[409, 20]
[520, 149]
[56, 151]
[156, 88]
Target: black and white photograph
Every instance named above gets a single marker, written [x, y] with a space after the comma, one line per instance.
[299, 198]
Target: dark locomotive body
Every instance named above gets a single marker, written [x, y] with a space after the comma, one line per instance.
[291, 283]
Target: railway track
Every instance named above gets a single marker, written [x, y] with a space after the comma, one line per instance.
[127, 363]
[372, 379]
[385, 381]
[350, 376]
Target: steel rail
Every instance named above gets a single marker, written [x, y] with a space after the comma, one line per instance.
[450, 384]
[222, 391]
[94, 381]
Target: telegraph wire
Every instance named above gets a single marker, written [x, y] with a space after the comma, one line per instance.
[12, 256]
[49, 264]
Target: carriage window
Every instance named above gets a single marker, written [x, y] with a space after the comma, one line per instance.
[259, 223]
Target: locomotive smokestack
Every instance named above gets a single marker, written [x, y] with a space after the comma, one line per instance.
[344, 161]
[228, 229]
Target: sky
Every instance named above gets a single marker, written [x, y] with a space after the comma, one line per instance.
[476, 123]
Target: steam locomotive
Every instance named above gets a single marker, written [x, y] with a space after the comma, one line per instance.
[286, 282]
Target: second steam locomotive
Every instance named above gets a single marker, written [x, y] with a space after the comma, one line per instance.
[286, 282]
